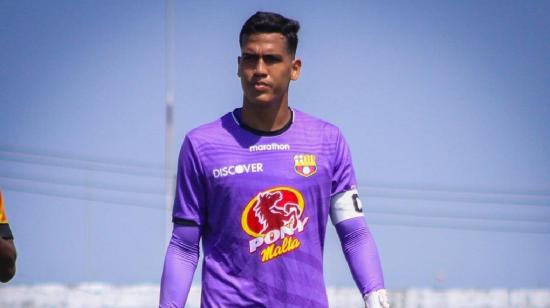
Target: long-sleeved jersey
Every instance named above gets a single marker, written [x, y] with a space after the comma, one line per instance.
[262, 201]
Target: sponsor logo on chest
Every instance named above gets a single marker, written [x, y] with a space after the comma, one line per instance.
[237, 169]
[274, 218]
[269, 147]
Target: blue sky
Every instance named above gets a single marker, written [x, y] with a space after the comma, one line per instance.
[444, 105]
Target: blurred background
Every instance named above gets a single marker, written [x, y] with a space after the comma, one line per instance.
[445, 105]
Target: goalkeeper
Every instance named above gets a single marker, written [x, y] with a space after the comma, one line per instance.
[257, 186]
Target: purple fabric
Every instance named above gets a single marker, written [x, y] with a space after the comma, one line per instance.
[262, 203]
[361, 253]
[179, 265]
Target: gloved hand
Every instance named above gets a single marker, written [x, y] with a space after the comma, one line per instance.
[377, 299]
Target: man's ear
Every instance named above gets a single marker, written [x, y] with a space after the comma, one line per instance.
[239, 66]
[296, 67]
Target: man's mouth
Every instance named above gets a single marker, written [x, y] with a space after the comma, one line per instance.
[261, 86]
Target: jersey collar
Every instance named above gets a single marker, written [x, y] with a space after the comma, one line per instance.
[236, 114]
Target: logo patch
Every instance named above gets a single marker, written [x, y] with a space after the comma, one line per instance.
[237, 169]
[305, 165]
[272, 218]
[269, 147]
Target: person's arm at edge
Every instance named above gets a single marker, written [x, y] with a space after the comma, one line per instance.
[8, 255]
[181, 260]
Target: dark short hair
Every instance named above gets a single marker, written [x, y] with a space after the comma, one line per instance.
[267, 22]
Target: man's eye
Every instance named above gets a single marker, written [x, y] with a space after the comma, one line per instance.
[249, 58]
[272, 59]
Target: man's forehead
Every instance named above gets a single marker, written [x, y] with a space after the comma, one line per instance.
[264, 42]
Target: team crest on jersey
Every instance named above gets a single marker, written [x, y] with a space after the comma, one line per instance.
[305, 165]
[273, 218]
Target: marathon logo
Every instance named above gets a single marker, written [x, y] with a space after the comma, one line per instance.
[269, 147]
[237, 169]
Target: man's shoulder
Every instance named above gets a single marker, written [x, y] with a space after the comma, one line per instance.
[311, 122]
[208, 130]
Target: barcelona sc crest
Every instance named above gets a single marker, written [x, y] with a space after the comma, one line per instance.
[305, 165]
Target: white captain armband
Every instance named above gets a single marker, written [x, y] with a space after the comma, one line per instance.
[345, 205]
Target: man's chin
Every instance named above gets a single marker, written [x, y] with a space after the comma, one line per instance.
[261, 100]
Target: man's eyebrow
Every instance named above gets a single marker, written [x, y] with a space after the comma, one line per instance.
[266, 54]
[273, 55]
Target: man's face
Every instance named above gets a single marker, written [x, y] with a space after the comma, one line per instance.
[266, 68]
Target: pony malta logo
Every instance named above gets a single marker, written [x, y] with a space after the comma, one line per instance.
[272, 218]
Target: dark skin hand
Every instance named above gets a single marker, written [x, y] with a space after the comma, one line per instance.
[7, 259]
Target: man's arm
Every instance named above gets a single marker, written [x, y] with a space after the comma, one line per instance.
[361, 253]
[7, 259]
[180, 263]
[362, 256]
[359, 247]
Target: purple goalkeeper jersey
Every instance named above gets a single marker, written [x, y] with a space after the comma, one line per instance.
[262, 201]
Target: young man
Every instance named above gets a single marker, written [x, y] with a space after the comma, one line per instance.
[7, 248]
[258, 185]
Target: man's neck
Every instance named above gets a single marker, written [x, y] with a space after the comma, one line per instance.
[266, 118]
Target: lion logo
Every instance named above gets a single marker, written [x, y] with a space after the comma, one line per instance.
[271, 210]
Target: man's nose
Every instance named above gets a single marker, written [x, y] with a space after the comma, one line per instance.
[260, 67]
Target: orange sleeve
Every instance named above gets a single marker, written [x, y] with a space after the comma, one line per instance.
[5, 231]
[3, 217]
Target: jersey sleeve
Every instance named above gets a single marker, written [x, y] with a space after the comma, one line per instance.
[190, 198]
[5, 231]
[180, 264]
[345, 202]
[343, 175]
